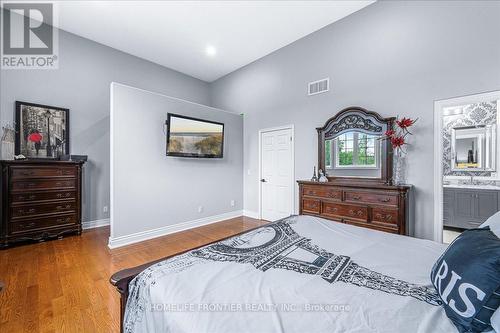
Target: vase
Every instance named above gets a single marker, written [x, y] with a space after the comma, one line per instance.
[399, 168]
[7, 151]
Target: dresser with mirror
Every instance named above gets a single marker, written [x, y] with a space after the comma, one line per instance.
[358, 164]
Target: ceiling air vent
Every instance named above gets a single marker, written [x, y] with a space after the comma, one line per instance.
[318, 87]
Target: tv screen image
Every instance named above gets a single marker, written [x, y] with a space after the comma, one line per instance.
[192, 137]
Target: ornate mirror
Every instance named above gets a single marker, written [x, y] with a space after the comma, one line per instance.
[350, 146]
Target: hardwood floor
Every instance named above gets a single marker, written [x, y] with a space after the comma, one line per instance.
[62, 285]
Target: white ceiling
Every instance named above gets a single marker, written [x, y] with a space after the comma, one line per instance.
[176, 34]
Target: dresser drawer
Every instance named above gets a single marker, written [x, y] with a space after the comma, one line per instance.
[371, 197]
[382, 215]
[41, 223]
[42, 172]
[368, 225]
[38, 196]
[322, 191]
[26, 210]
[311, 205]
[345, 211]
[48, 184]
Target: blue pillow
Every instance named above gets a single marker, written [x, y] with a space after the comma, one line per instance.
[467, 278]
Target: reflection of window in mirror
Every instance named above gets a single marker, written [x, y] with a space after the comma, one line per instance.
[473, 148]
[353, 150]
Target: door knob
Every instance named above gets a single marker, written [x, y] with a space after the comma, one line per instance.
[263, 180]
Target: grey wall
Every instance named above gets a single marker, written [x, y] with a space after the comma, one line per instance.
[82, 84]
[392, 57]
[151, 190]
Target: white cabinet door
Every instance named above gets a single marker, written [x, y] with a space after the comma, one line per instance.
[276, 174]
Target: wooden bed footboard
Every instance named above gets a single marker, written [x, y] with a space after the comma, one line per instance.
[121, 280]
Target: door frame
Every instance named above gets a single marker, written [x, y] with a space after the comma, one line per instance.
[439, 105]
[292, 180]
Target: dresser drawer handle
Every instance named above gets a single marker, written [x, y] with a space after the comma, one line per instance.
[356, 197]
[387, 217]
[27, 173]
[358, 213]
[23, 211]
[311, 192]
[30, 197]
[60, 220]
[63, 207]
[60, 195]
[385, 199]
[27, 226]
[334, 209]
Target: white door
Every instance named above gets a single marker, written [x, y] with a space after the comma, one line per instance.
[276, 174]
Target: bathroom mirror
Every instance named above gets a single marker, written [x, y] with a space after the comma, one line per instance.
[350, 146]
[473, 148]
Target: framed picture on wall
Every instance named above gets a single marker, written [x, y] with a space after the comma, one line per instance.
[42, 131]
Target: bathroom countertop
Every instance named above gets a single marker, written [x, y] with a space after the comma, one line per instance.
[473, 187]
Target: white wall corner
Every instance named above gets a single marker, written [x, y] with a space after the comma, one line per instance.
[95, 224]
[115, 242]
[252, 214]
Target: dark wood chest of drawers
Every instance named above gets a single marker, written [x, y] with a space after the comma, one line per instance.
[376, 206]
[40, 200]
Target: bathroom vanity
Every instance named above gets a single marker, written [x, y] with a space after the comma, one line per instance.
[468, 206]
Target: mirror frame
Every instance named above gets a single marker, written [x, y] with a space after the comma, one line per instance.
[484, 164]
[364, 120]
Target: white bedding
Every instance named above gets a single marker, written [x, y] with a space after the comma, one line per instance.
[259, 283]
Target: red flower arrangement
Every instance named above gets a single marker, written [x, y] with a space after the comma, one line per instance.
[397, 136]
[405, 122]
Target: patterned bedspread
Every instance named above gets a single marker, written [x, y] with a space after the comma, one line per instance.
[299, 274]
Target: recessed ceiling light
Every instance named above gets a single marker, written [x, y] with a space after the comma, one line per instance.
[211, 51]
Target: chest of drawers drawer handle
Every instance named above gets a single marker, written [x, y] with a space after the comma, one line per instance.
[356, 197]
[60, 195]
[27, 173]
[24, 211]
[63, 207]
[311, 192]
[30, 197]
[27, 226]
[61, 220]
[358, 213]
[387, 217]
[385, 199]
[330, 209]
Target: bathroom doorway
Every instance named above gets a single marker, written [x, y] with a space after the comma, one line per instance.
[466, 163]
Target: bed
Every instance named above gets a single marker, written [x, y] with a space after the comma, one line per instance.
[298, 274]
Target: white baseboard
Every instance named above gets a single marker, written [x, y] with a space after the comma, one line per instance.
[169, 229]
[95, 224]
[249, 213]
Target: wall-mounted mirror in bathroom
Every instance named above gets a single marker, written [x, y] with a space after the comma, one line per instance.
[473, 148]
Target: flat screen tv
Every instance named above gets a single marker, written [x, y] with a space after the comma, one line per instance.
[192, 137]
